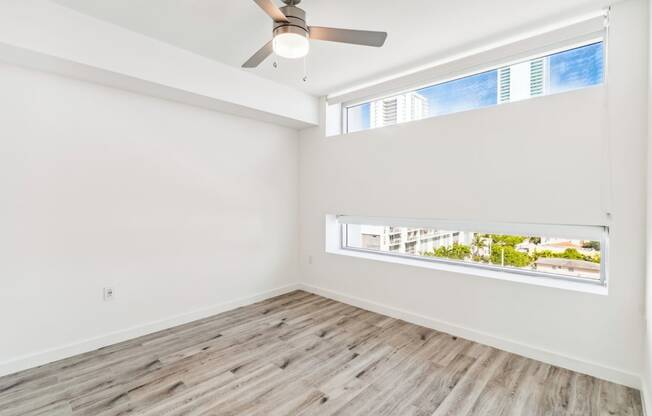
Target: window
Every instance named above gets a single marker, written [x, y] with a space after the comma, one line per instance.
[563, 71]
[566, 252]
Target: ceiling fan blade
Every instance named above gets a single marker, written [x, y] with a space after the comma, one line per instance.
[272, 10]
[259, 56]
[357, 37]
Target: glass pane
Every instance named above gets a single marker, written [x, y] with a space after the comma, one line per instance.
[577, 68]
[549, 255]
[357, 117]
[571, 69]
[462, 94]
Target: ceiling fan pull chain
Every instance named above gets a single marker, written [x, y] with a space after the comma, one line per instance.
[305, 71]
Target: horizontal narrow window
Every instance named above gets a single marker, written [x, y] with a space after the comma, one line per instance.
[556, 251]
[563, 71]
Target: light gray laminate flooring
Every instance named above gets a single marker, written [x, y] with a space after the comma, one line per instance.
[302, 354]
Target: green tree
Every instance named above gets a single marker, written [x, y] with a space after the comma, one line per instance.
[478, 244]
[456, 252]
[595, 245]
[509, 255]
[572, 254]
[569, 253]
[507, 240]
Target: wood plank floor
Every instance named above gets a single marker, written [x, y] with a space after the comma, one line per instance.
[301, 354]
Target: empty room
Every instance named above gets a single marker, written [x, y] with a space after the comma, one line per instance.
[325, 207]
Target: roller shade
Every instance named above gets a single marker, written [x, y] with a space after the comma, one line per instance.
[468, 61]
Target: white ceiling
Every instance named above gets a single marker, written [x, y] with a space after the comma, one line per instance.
[231, 31]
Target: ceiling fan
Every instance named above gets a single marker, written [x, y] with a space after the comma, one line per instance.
[292, 34]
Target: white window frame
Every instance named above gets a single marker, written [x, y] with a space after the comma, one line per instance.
[336, 244]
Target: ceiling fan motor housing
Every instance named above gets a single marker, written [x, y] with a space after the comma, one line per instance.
[296, 22]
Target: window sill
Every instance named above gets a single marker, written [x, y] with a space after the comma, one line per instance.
[585, 287]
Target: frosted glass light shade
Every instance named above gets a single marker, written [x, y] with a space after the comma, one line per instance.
[291, 45]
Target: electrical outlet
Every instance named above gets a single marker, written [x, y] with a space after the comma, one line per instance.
[109, 294]
[309, 259]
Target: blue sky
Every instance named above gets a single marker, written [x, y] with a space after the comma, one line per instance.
[462, 94]
[571, 69]
[577, 68]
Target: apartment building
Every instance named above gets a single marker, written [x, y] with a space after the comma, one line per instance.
[403, 239]
[398, 109]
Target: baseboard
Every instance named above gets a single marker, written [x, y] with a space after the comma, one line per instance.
[43, 357]
[571, 363]
[550, 357]
[646, 399]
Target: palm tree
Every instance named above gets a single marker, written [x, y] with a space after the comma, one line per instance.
[536, 241]
[478, 244]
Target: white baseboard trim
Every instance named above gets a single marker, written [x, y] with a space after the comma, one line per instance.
[646, 399]
[607, 373]
[47, 356]
[550, 357]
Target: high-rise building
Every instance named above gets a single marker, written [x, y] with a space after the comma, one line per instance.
[405, 240]
[525, 80]
[398, 109]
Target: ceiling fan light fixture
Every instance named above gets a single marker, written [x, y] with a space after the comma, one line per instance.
[291, 42]
[292, 35]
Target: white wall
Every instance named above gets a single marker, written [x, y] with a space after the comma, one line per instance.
[540, 161]
[44, 35]
[183, 211]
[647, 375]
